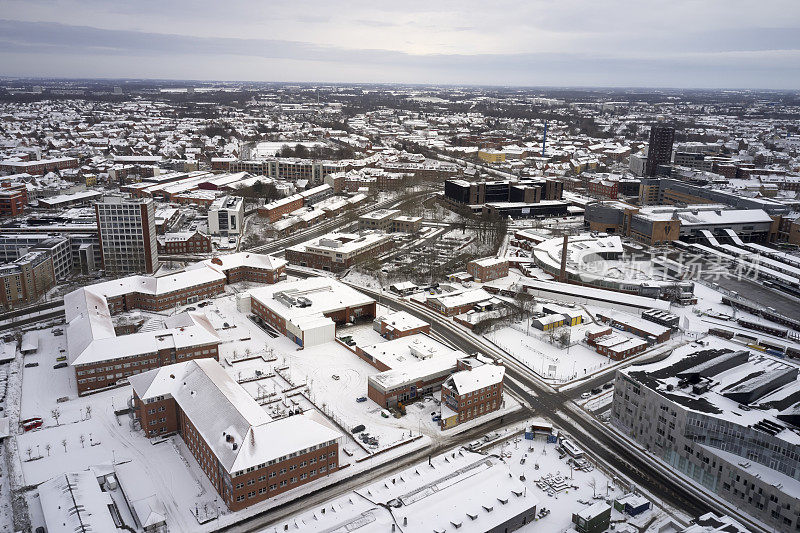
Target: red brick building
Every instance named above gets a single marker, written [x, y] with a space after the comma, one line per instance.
[247, 456]
[604, 188]
[275, 210]
[246, 266]
[488, 269]
[184, 243]
[38, 167]
[475, 389]
[400, 324]
[13, 200]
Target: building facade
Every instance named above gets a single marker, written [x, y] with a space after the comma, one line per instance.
[246, 455]
[127, 235]
[659, 149]
[27, 279]
[226, 216]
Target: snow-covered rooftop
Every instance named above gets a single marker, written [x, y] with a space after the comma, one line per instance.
[236, 428]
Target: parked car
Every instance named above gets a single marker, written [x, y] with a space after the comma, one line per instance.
[61, 358]
[190, 309]
[60, 365]
[358, 429]
[361, 399]
[30, 365]
[608, 385]
[597, 390]
[436, 418]
[335, 377]
[586, 395]
[32, 424]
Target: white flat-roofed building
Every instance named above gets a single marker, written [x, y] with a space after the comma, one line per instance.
[226, 216]
[74, 502]
[307, 310]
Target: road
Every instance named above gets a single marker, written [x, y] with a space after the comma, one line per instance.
[335, 223]
[322, 495]
[587, 432]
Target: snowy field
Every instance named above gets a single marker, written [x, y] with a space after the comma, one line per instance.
[552, 363]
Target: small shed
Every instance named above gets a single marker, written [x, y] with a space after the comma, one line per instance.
[632, 504]
[593, 519]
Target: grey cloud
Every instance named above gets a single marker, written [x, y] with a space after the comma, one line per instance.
[649, 64]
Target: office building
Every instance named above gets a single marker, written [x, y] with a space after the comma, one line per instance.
[659, 149]
[246, 455]
[127, 235]
[723, 418]
[226, 216]
[26, 279]
[336, 252]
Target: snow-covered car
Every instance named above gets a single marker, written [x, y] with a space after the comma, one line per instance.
[586, 395]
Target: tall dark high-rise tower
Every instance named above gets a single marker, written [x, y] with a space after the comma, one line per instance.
[659, 151]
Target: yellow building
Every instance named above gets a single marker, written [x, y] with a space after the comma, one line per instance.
[492, 156]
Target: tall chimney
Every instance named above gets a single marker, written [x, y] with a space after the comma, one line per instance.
[562, 275]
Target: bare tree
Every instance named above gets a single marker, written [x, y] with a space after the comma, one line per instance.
[47, 447]
[88, 412]
[83, 439]
[64, 444]
[593, 485]
[29, 451]
[56, 414]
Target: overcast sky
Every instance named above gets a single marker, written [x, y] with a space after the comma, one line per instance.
[642, 43]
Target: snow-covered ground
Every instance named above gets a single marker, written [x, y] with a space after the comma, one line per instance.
[553, 363]
[81, 433]
[545, 473]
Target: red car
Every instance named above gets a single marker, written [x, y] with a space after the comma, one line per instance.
[31, 423]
